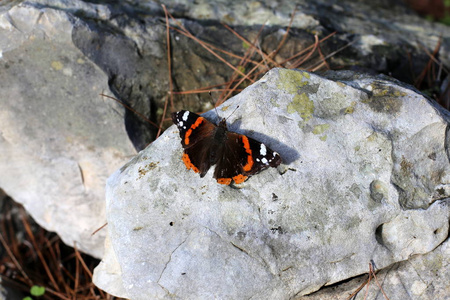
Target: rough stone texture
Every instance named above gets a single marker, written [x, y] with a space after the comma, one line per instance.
[352, 189]
[382, 31]
[422, 277]
[59, 140]
[53, 54]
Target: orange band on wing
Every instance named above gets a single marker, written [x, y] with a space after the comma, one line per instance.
[239, 178]
[188, 163]
[226, 181]
[189, 132]
[248, 166]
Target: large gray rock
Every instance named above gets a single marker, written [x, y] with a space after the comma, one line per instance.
[365, 178]
[59, 140]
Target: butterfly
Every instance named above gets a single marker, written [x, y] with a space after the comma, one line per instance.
[205, 144]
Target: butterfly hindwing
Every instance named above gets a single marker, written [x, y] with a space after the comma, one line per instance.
[233, 161]
[242, 157]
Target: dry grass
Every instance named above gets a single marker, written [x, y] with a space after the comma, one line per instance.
[252, 65]
[366, 283]
[31, 256]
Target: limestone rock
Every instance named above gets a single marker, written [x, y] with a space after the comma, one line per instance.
[422, 277]
[59, 140]
[353, 189]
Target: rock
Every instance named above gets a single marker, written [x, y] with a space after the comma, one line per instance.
[65, 46]
[59, 139]
[422, 277]
[381, 35]
[353, 189]
[128, 42]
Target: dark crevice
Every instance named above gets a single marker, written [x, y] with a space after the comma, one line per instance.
[379, 235]
[447, 142]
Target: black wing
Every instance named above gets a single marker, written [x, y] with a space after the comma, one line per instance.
[241, 157]
[197, 135]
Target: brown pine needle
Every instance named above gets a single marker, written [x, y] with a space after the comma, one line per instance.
[217, 48]
[358, 289]
[131, 109]
[376, 280]
[201, 91]
[301, 60]
[273, 54]
[162, 118]
[13, 258]
[100, 228]
[372, 274]
[37, 249]
[306, 49]
[322, 57]
[78, 256]
[190, 35]
[252, 45]
[426, 70]
[316, 67]
[368, 285]
[77, 276]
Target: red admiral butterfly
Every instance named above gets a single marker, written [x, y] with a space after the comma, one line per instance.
[236, 156]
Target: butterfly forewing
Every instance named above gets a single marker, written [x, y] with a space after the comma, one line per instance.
[192, 127]
[196, 135]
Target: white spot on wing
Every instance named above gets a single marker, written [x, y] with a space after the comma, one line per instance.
[263, 150]
[264, 161]
[185, 116]
[180, 124]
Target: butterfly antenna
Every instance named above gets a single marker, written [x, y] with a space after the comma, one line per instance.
[215, 108]
[233, 112]
[213, 103]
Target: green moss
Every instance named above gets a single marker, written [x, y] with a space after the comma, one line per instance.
[302, 105]
[350, 109]
[319, 129]
[274, 102]
[292, 81]
[385, 99]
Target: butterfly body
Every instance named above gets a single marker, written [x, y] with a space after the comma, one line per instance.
[205, 144]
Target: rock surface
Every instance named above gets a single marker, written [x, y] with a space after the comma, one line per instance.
[423, 277]
[59, 140]
[57, 148]
[355, 187]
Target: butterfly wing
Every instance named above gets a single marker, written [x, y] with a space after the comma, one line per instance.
[243, 156]
[196, 137]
